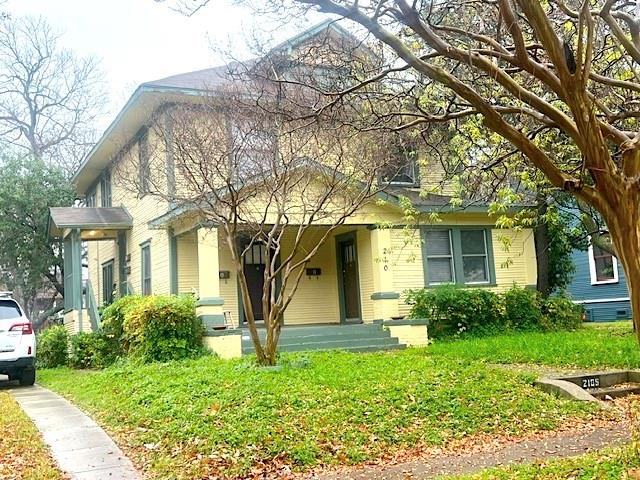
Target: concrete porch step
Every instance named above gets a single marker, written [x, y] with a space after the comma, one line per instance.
[322, 344]
[330, 336]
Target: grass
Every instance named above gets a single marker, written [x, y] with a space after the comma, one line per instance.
[611, 345]
[206, 416]
[23, 455]
[609, 464]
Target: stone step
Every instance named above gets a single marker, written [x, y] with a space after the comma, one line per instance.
[346, 344]
[323, 330]
[328, 337]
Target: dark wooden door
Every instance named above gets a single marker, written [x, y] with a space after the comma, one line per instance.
[254, 274]
[351, 294]
[254, 267]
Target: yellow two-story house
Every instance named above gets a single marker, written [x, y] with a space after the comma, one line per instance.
[146, 245]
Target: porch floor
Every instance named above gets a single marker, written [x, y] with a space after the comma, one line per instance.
[352, 337]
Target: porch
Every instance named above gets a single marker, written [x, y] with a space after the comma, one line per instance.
[349, 280]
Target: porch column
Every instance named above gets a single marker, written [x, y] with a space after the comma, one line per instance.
[72, 257]
[209, 304]
[385, 299]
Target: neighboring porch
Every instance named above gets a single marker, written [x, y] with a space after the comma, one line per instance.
[76, 226]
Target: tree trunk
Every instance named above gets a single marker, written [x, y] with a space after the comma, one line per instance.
[541, 240]
[625, 233]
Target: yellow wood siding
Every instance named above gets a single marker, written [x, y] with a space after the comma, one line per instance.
[228, 287]
[513, 264]
[365, 270]
[316, 300]
[187, 246]
[406, 261]
[142, 210]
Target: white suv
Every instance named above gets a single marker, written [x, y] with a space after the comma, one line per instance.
[17, 342]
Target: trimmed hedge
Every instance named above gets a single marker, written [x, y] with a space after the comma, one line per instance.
[52, 347]
[454, 311]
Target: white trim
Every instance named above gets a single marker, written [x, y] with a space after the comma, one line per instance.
[592, 269]
[603, 300]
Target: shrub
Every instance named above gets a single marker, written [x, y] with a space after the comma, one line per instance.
[113, 318]
[523, 308]
[92, 350]
[163, 328]
[560, 313]
[453, 310]
[53, 347]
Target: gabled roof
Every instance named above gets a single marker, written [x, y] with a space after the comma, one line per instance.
[92, 218]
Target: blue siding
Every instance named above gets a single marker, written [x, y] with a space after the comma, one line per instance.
[581, 290]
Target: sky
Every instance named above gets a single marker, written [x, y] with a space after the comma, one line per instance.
[142, 40]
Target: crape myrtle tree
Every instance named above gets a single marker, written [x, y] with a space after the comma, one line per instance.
[245, 160]
[552, 84]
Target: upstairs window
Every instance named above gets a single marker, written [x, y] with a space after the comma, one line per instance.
[90, 199]
[105, 190]
[603, 266]
[143, 161]
[401, 168]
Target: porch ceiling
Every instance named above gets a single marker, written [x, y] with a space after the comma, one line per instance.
[94, 223]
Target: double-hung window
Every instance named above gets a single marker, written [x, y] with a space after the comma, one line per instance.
[439, 257]
[603, 267]
[143, 161]
[145, 268]
[461, 255]
[475, 258]
[107, 283]
[105, 189]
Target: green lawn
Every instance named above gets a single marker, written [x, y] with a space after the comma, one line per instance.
[204, 416]
[23, 455]
[597, 345]
[610, 464]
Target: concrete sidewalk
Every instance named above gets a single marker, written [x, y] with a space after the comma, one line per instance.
[80, 447]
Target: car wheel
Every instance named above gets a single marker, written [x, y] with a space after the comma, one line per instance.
[28, 377]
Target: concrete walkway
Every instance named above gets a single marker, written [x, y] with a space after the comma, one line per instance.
[80, 447]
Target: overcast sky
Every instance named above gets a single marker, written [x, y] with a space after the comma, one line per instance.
[141, 40]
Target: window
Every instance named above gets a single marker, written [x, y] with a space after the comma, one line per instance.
[143, 161]
[90, 199]
[401, 168]
[254, 148]
[439, 257]
[105, 190]
[107, 283]
[603, 266]
[256, 255]
[475, 263]
[145, 254]
[458, 255]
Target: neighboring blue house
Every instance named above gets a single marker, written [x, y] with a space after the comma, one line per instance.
[599, 285]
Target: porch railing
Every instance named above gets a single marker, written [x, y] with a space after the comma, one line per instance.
[92, 306]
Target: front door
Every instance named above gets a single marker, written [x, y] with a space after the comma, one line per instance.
[349, 279]
[254, 267]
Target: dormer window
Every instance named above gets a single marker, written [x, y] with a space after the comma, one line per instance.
[401, 168]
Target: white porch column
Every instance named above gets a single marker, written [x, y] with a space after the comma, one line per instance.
[209, 304]
[385, 299]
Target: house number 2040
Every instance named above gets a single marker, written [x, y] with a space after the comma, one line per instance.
[592, 382]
